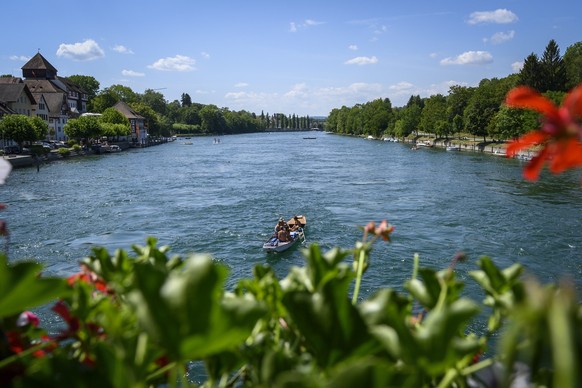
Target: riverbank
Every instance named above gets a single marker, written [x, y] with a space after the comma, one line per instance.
[27, 160]
[493, 147]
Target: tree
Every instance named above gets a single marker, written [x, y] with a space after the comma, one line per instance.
[152, 118]
[123, 93]
[114, 124]
[105, 99]
[85, 127]
[510, 123]
[212, 119]
[553, 70]
[530, 74]
[433, 118]
[155, 100]
[19, 128]
[40, 127]
[457, 100]
[87, 83]
[573, 65]
[186, 100]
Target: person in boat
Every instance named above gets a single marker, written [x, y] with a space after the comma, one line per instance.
[283, 235]
[280, 224]
[296, 224]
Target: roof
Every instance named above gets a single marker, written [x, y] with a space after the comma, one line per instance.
[42, 86]
[54, 102]
[127, 111]
[38, 62]
[11, 92]
[10, 80]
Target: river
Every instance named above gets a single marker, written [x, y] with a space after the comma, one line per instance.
[223, 199]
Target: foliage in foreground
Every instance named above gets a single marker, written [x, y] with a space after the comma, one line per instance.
[139, 321]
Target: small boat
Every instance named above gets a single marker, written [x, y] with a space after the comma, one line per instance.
[453, 148]
[274, 245]
[310, 138]
[114, 148]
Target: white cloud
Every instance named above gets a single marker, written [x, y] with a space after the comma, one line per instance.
[500, 37]
[433, 55]
[298, 90]
[499, 16]
[131, 73]
[21, 58]
[362, 61]
[205, 55]
[241, 85]
[85, 51]
[400, 86]
[122, 49]
[517, 66]
[469, 58]
[353, 47]
[177, 63]
[294, 27]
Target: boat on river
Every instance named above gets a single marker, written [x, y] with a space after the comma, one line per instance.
[298, 223]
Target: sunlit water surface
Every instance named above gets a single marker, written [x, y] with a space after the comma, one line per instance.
[223, 199]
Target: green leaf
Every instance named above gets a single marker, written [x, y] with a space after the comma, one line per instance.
[22, 287]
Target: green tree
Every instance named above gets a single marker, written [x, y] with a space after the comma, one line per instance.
[457, 101]
[88, 83]
[484, 104]
[85, 127]
[531, 72]
[511, 123]
[155, 100]
[377, 116]
[123, 93]
[105, 99]
[573, 64]
[433, 118]
[186, 100]
[114, 124]
[152, 118]
[20, 129]
[40, 127]
[553, 69]
[212, 119]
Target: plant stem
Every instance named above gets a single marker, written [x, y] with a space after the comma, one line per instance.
[361, 258]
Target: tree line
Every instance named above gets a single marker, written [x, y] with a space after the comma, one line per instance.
[166, 118]
[476, 110]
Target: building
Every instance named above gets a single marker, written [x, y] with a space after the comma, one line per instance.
[139, 130]
[63, 99]
[15, 98]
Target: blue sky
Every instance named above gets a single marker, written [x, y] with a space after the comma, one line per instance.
[302, 57]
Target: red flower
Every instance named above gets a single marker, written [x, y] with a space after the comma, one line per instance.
[560, 133]
[89, 277]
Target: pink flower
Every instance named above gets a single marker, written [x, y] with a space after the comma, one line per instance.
[27, 318]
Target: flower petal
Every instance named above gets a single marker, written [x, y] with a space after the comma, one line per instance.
[532, 170]
[568, 154]
[526, 141]
[526, 97]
